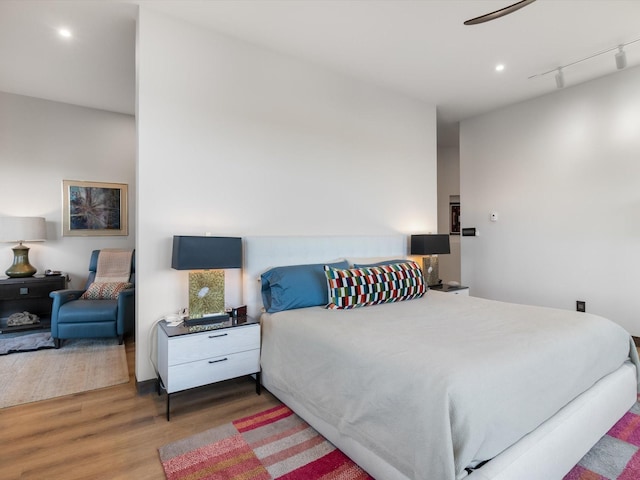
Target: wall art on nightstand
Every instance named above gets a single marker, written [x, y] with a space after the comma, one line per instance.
[206, 293]
[94, 208]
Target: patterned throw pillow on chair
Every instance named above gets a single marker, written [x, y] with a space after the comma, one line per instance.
[105, 291]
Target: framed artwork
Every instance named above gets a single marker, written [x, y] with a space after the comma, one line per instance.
[206, 293]
[94, 209]
[455, 218]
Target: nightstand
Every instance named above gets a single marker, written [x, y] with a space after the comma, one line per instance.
[30, 294]
[455, 290]
[190, 357]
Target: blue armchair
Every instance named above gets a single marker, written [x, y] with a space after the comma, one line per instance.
[75, 317]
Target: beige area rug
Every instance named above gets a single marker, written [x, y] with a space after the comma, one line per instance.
[79, 365]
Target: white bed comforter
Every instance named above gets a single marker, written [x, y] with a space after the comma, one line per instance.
[440, 383]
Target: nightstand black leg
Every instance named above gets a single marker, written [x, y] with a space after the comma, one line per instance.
[160, 387]
[258, 386]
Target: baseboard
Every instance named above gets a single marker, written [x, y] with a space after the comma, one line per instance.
[146, 386]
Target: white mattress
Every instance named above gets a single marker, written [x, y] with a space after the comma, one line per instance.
[431, 386]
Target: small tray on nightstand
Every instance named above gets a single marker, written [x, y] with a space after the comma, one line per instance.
[443, 287]
[182, 329]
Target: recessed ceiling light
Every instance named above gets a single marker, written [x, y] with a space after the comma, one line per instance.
[499, 67]
[64, 32]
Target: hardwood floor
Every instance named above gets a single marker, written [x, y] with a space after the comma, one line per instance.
[114, 433]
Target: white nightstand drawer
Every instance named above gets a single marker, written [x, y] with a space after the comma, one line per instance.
[213, 343]
[211, 370]
[464, 291]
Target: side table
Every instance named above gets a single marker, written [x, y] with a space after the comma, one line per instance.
[453, 289]
[28, 294]
[190, 357]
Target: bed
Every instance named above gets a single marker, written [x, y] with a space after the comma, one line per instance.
[441, 386]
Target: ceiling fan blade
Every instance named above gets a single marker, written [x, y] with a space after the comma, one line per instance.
[499, 13]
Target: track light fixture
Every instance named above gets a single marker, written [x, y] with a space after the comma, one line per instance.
[620, 56]
[560, 78]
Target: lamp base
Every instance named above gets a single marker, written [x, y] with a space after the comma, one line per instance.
[21, 266]
[430, 270]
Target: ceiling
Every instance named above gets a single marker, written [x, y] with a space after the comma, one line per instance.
[418, 47]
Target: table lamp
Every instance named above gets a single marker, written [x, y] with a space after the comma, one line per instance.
[430, 246]
[209, 256]
[22, 229]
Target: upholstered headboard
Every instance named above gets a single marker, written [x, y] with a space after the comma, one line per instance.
[262, 253]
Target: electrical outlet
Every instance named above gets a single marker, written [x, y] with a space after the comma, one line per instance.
[581, 306]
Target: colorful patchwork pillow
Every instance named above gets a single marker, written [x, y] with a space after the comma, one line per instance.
[359, 287]
[105, 291]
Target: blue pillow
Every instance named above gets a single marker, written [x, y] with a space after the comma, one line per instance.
[296, 286]
[378, 264]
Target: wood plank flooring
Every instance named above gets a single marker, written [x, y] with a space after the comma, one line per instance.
[114, 433]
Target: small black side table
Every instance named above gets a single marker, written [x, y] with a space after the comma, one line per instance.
[29, 294]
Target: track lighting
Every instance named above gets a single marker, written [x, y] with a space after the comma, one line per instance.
[621, 58]
[560, 78]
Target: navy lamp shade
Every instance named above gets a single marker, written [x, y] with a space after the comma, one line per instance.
[430, 246]
[206, 288]
[205, 253]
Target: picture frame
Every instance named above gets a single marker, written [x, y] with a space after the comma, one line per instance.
[206, 293]
[454, 218]
[94, 209]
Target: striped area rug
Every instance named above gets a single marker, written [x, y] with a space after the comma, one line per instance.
[616, 456]
[274, 444]
[277, 444]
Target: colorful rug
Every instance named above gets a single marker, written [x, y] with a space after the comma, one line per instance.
[274, 444]
[616, 456]
[277, 444]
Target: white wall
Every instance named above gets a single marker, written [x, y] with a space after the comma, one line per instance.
[239, 140]
[448, 185]
[43, 143]
[563, 172]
